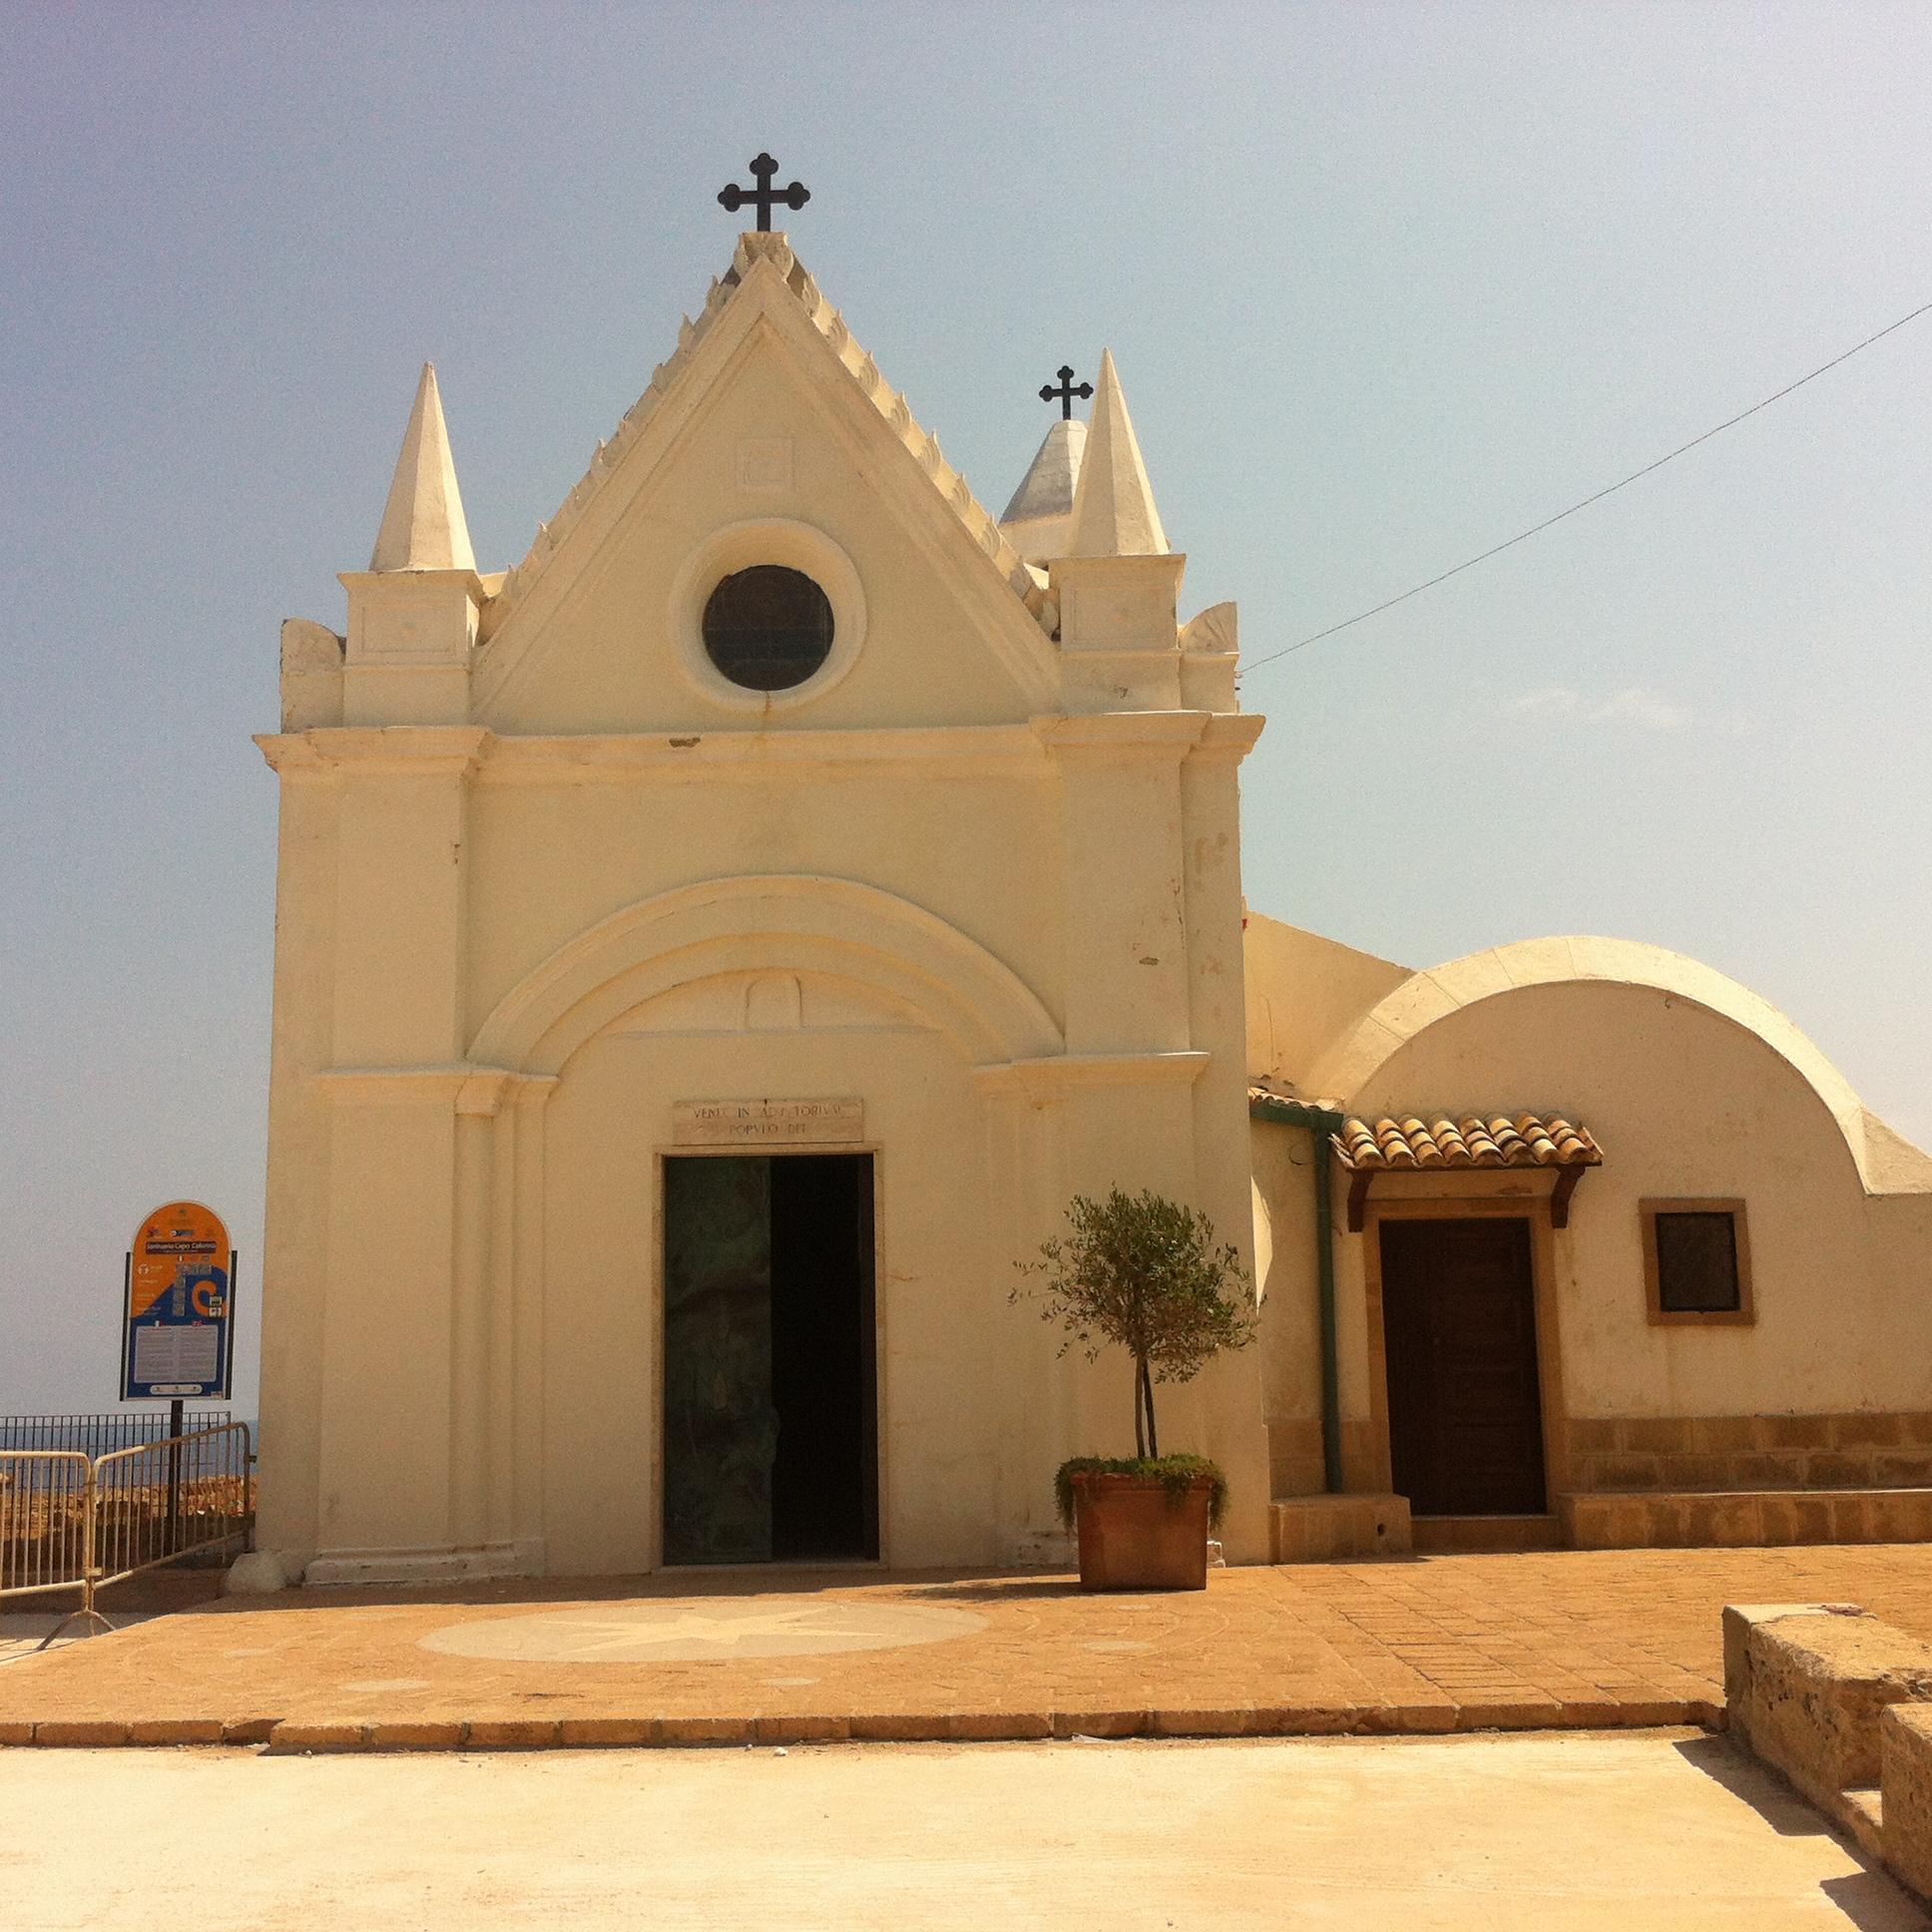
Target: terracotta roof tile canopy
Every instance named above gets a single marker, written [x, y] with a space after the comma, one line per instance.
[1467, 1143]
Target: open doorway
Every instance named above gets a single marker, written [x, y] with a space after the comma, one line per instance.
[770, 1440]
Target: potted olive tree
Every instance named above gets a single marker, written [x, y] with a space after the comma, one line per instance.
[1146, 1274]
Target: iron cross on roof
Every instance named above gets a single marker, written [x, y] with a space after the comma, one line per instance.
[1064, 395]
[763, 197]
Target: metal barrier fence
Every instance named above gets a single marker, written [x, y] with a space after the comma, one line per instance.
[69, 1520]
[99, 1433]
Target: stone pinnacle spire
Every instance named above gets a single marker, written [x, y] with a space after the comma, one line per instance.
[1114, 512]
[1036, 520]
[422, 522]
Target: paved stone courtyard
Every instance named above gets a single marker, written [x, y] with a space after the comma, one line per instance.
[1570, 1639]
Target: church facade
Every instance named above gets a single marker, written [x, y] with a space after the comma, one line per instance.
[711, 954]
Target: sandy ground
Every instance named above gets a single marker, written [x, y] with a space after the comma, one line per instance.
[1561, 1833]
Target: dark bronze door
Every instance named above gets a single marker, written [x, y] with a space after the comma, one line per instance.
[769, 1379]
[1464, 1403]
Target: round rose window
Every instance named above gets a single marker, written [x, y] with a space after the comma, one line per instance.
[768, 628]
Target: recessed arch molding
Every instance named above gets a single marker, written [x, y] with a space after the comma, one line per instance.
[778, 922]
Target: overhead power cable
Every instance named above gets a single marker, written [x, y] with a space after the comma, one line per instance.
[1610, 489]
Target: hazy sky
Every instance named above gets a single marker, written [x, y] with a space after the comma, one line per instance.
[1385, 284]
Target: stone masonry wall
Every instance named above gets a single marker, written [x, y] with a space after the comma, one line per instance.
[1852, 1450]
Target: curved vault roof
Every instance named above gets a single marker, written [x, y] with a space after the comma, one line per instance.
[1885, 1162]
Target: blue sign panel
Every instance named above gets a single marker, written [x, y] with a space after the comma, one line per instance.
[177, 1330]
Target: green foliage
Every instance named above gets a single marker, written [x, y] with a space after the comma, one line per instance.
[1146, 1274]
[1176, 1474]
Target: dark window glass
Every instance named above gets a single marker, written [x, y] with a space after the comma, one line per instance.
[1696, 1264]
[768, 628]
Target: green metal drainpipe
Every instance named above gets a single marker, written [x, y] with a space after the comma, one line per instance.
[1320, 1124]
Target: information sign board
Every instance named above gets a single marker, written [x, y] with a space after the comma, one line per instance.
[178, 1322]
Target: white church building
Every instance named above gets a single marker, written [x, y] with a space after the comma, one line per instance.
[711, 954]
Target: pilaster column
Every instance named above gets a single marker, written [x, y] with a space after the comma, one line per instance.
[1126, 978]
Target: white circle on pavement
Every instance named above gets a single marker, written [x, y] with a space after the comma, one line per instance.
[697, 1632]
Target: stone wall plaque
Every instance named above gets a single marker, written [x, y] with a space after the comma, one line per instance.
[765, 1122]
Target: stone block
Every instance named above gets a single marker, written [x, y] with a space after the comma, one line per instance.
[577, 1734]
[16, 1730]
[258, 1573]
[1904, 1469]
[1322, 1529]
[1719, 1522]
[711, 1730]
[511, 1733]
[175, 1730]
[1813, 1516]
[1627, 1472]
[80, 1732]
[1850, 1518]
[1402, 1719]
[1793, 1431]
[1814, 1686]
[1704, 1471]
[1542, 1713]
[1759, 1469]
[318, 1735]
[1724, 1432]
[801, 1729]
[1657, 1433]
[996, 1726]
[1915, 1428]
[1592, 1435]
[1905, 1782]
[897, 1728]
[1303, 1720]
[407, 1733]
[1233, 1721]
[1739, 1621]
[1868, 1429]
[1899, 1515]
[1833, 1469]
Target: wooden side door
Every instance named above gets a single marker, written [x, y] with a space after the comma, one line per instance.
[1464, 1396]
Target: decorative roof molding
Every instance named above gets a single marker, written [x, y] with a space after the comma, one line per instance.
[891, 405]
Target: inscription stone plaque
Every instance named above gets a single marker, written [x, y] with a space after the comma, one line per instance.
[764, 1123]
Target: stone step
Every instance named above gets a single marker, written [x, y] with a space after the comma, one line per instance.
[1322, 1529]
[1735, 1518]
[1473, 1533]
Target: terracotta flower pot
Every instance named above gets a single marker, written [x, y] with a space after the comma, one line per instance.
[1136, 1534]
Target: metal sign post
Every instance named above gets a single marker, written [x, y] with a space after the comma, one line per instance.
[177, 1319]
[178, 1322]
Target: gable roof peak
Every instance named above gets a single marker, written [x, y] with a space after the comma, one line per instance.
[1114, 512]
[423, 525]
[766, 258]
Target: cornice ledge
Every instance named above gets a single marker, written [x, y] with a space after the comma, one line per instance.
[289, 754]
[1050, 1076]
[1230, 736]
[415, 748]
[660, 754]
[1120, 736]
[466, 1087]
